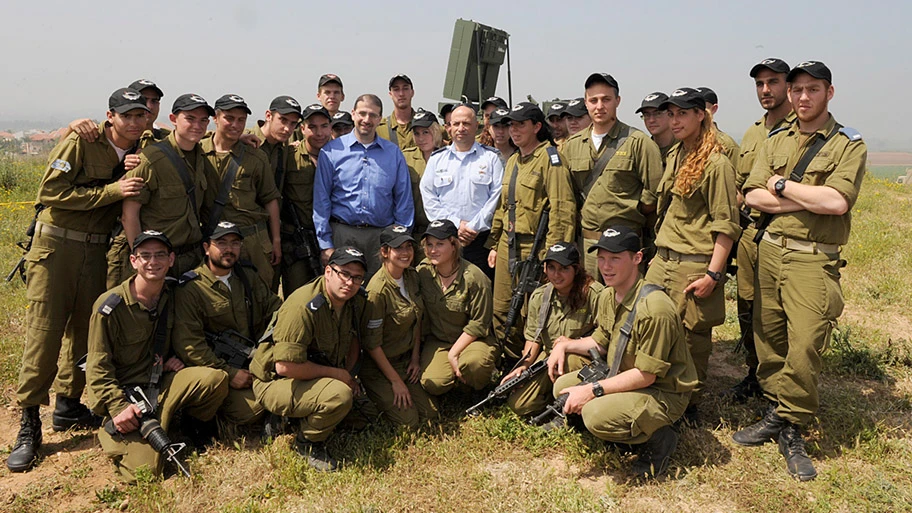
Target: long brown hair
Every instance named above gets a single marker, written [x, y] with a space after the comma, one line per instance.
[691, 171]
[580, 290]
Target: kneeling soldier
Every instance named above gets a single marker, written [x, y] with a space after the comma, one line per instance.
[130, 347]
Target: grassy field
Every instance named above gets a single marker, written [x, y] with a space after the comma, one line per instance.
[861, 443]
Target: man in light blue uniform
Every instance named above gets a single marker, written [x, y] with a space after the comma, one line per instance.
[361, 186]
[462, 183]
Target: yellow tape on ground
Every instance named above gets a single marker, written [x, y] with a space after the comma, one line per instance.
[11, 203]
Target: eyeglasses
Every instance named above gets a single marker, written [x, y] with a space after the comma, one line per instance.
[347, 276]
[658, 114]
[224, 244]
[158, 255]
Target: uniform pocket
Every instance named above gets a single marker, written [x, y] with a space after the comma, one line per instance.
[173, 199]
[777, 162]
[701, 314]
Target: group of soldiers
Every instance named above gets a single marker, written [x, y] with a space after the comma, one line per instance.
[194, 234]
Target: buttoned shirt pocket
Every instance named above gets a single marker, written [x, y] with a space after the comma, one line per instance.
[620, 177]
[777, 162]
[819, 170]
[132, 347]
[173, 200]
[243, 193]
[97, 172]
[443, 179]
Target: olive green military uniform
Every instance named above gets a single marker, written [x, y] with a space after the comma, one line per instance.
[65, 267]
[798, 297]
[121, 353]
[630, 178]
[399, 321]
[656, 346]
[253, 187]
[298, 194]
[405, 136]
[205, 304]
[730, 147]
[541, 182]
[665, 150]
[414, 159]
[306, 328]
[464, 307]
[684, 245]
[561, 321]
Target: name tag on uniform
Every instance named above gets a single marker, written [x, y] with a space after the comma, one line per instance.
[443, 180]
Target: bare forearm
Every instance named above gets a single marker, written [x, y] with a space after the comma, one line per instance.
[307, 371]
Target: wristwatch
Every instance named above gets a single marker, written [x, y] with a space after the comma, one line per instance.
[597, 389]
[780, 186]
[716, 276]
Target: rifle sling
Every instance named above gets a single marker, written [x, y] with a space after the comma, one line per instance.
[248, 297]
[599, 167]
[544, 311]
[159, 338]
[234, 165]
[390, 124]
[511, 218]
[183, 172]
[627, 329]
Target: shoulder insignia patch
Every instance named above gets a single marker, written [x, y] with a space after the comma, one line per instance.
[61, 165]
[777, 130]
[489, 148]
[110, 304]
[851, 133]
[187, 277]
[316, 302]
[554, 156]
[439, 150]
[374, 324]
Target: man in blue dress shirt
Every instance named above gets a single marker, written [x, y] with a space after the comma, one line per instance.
[462, 183]
[361, 186]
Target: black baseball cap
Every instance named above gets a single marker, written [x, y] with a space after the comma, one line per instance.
[563, 253]
[285, 105]
[395, 235]
[556, 109]
[327, 78]
[815, 69]
[446, 109]
[225, 228]
[126, 99]
[708, 94]
[231, 101]
[604, 78]
[618, 239]
[314, 109]
[652, 101]
[347, 255]
[686, 98]
[401, 76]
[191, 101]
[342, 118]
[495, 101]
[525, 110]
[151, 235]
[499, 116]
[441, 229]
[423, 119]
[576, 108]
[143, 84]
[772, 64]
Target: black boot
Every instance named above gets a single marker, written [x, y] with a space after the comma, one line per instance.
[274, 426]
[766, 430]
[201, 433]
[25, 451]
[653, 459]
[69, 413]
[791, 446]
[316, 454]
[745, 389]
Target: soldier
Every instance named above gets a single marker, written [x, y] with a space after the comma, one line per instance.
[445, 112]
[330, 93]
[246, 191]
[772, 91]
[130, 347]
[487, 108]
[274, 131]
[535, 178]
[651, 379]
[558, 123]
[576, 116]
[729, 146]
[76, 208]
[397, 128]
[463, 183]
[657, 122]
[179, 185]
[304, 370]
[223, 298]
[391, 375]
[87, 129]
[615, 168]
[500, 135]
[798, 297]
[341, 124]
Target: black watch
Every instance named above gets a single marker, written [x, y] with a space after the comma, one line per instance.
[716, 276]
[780, 187]
[597, 389]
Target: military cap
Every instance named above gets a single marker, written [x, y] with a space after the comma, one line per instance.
[347, 255]
[686, 98]
[327, 78]
[446, 109]
[285, 105]
[563, 253]
[395, 235]
[400, 76]
[526, 110]
[225, 228]
[495, 101]
[604, 78]
[772, 64]
[441, 229]
[151, 235]
[652, 101]
[708, 94]
[499, 116]
[815, 69]
[126, 99]
[143, 84]
[191, 101]
[423, 119]
[314, 109]
[231, 101]
[556, 109]
[617, 239]
[576, 108]
[342, 118]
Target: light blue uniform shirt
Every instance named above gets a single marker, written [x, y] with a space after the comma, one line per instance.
[463, 188]
[361, 185]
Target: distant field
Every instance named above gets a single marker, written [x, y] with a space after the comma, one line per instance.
[888, 158]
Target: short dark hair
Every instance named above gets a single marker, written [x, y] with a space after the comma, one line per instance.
[370, 98]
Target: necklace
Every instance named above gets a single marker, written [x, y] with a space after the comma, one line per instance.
[445, 276]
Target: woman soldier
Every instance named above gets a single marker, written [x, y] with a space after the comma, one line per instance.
[390, 376]
[458, 343]
[499, 129]
[535, 179]
[562, 310]
[698, 220]
[428, 137]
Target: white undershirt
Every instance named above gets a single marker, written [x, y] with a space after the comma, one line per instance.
[224, 279]
[401, 283]
[120, 153]
[597, 140]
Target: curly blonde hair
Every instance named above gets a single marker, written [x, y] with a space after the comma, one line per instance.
[691, 171]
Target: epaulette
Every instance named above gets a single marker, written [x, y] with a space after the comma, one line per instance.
[315, 303]
[777, 130]
[490, 148]
[110, 304]
[171, 281]
[187, 277]
[851, 133]
[554, 156]
[439, 150]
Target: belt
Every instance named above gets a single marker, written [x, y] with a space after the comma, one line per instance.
[337, 220]
[591, 234]
[247, 231]
[90, 238]
[804, 246]
[668, 254]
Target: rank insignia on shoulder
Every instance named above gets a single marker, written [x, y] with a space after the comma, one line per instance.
[438, 150]
[61, 165]
[110, 304]
[776, 131]
[851, 133]
[316, 302]
[554, 156]
[374, 323]
[187, 277]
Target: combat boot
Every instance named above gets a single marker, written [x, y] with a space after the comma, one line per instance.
[25, 451]
[766, 430]
[69, 413]
[657, 451]
[745, 389]
[316, 454]
[791, 446]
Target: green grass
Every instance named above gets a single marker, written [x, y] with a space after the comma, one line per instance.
[888, 172]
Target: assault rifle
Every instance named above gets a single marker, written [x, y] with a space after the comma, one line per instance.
[511, 384]
[25, 246]
[231, 346]
[529, 272]
[304, 241]
[596, 370]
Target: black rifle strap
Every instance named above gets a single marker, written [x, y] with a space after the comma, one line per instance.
[183, 172]
[234, 165]
[390, 125]
[511, 218]
[627, 329]
[248, 297]
[599, 167]
[159, 338]
[798, 172]
[544, 311]
[280, 167]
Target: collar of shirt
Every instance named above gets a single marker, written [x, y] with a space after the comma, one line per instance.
[350, 140]
[207, 144]
[209, 276]
[627, 303]
[129, 299]
[451, 149]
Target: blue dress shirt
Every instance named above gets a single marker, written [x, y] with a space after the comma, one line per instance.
[463, 188]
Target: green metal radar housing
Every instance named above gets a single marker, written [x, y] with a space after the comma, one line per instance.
[476, 55]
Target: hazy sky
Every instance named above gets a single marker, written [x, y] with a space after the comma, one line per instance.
[64, 58]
